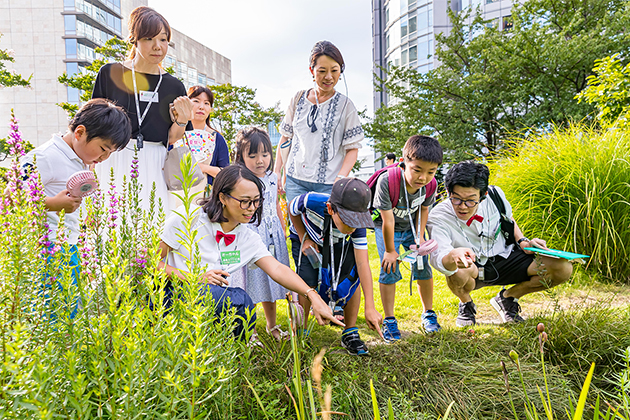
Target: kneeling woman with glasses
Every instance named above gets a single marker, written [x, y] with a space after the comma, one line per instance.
[225, 246]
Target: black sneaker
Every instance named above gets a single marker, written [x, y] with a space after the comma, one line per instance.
[466, 314]
[351, 341]
[507, 307]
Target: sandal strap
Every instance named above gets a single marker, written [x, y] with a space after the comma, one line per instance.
[277, 327]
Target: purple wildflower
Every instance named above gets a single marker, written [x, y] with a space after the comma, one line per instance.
[15, 141]
[134, 167]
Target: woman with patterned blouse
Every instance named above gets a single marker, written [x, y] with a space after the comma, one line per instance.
[321, 130]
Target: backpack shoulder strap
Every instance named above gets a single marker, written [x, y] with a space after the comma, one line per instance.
[496, 199]
[394, 179]
[431, 187]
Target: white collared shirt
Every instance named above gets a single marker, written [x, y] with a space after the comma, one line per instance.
[247, 241]
[484, 238]
[56, 162]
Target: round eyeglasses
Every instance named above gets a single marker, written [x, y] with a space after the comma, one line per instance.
[245, 204]
[467, 203]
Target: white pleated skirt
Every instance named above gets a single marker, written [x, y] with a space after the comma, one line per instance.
[150, 171]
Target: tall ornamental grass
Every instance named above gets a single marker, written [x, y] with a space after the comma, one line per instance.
[572, 188]
[124, 355]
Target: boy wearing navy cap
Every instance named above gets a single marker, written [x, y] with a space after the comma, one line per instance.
[320, 225]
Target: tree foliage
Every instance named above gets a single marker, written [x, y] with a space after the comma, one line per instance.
[114, 50]
[609, 91]
[9, 78]
[235, 107]
[493, 83]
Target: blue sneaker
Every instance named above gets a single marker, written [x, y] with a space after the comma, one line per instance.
[390, 329]
[430, 322]
[351, 341]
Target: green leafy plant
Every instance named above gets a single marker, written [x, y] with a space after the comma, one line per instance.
[571, 187]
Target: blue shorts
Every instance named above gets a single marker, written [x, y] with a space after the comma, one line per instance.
[72, 264]
[297, 187]
[405, 239]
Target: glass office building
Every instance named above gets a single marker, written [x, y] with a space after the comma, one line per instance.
[404, 31]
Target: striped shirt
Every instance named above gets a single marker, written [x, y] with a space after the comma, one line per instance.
[311, 207]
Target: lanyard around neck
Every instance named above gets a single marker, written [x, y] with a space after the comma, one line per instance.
[344, 250]
[414, 228]
[136, 96]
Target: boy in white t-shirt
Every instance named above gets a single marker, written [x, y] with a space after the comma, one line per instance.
[98, 129]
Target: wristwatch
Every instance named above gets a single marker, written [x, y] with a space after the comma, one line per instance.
[523, 239]
[181, 124]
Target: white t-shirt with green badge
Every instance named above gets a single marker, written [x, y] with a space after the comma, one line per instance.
[246, 249]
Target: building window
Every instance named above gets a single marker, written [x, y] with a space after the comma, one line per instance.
[423, 48]
[71, 48]
[413, 24]
[403, 26]
[68, 4]
[404, 57]
[494, 23]
[72, 69]
[508, 23]
[387, 42]
[423, 18]
[70, 24]
[413, 54]
[73, 95]
[169, 62]
[201, 79]
[491, 1]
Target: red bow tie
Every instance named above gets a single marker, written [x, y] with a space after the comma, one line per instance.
[228, 238]
[475, 217]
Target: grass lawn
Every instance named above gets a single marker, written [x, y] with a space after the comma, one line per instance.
[421, 375]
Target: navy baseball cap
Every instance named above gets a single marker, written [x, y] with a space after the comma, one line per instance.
[352, 198]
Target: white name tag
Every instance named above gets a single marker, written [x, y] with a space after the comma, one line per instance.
[415, 203]
[146, 96]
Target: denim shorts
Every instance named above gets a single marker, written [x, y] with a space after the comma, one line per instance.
[297, 187]
[405, 239]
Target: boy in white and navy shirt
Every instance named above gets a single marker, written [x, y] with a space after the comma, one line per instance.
[473, 252]
[345, 212]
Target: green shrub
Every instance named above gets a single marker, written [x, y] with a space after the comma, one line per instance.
[572, 188]
[123, 356]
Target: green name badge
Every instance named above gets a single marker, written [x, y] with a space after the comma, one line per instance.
[230, 257]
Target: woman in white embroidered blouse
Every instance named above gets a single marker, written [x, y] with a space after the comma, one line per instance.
[321, 130]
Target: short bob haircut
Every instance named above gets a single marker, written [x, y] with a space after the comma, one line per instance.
[251, 139]
[328, 49]
[102, 119]
[224, 183]
[423, 148]
[391, 156]
[468, 174]
[145, 22]
[195, 91]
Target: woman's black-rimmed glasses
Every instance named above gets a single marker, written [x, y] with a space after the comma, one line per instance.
[246, 203]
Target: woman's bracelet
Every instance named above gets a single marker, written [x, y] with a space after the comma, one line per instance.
[308, 291]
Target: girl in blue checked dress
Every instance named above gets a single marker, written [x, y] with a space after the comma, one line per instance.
[254, 151]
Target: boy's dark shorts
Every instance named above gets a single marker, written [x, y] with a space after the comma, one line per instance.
[501, 271]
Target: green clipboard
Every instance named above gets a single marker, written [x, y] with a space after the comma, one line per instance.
[556, 253]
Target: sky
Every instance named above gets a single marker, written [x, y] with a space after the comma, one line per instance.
[269, 41]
